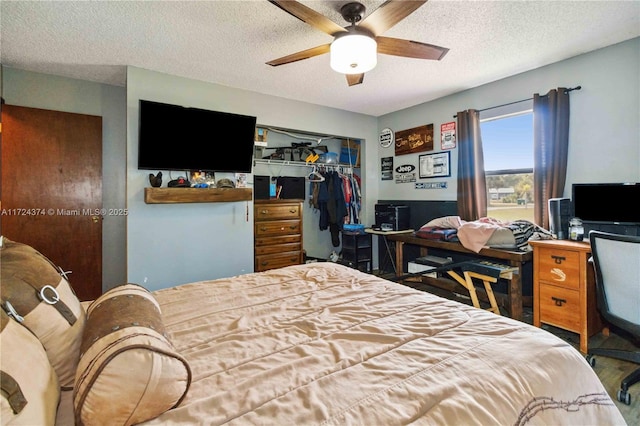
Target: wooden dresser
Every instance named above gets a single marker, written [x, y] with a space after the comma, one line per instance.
[277, 233]
[564, 288]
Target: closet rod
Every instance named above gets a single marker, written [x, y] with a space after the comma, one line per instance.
[571, 89]
[283, 162]
[301, 164]
[344, 168]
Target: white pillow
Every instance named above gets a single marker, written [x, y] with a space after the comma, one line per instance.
[448, 222]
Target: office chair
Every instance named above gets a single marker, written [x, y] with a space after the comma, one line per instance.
[616, 261]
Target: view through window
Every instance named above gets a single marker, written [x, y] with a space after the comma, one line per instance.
[507, 142]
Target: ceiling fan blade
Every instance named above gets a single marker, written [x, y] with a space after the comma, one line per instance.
[410, 49]
[304, 54]
[309, 16]
[353, 79]
[389, 14]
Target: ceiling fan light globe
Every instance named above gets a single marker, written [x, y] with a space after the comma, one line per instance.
[354, 54]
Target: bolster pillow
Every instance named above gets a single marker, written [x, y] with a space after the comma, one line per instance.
[129, 371]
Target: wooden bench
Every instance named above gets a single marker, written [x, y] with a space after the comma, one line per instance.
[512, 301]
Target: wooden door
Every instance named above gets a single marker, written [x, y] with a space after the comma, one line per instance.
[51, 183]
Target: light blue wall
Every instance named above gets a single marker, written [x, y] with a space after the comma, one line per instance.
[35, 90]
[604, 135]
[178, 243]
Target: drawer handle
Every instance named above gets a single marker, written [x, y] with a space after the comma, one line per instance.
[264, 211]
[558, 301]
[558, 259]
[293, 211]
[293, 227]
[263, 228]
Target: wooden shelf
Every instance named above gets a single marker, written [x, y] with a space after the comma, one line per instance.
[196, 195]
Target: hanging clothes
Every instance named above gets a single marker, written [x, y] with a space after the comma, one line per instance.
[338, 199]
[331, 205]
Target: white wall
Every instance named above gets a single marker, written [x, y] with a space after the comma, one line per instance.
[178, 243]
[604, 134]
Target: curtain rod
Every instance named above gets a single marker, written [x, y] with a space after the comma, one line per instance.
[571, 89]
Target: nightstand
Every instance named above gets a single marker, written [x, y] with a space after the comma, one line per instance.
[564, 288]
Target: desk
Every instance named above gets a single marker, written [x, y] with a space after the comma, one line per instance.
[512, 301]
[390, 251]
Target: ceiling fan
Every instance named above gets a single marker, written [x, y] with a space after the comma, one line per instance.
[355, 47]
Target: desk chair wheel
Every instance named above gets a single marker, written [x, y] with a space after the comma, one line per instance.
[624, 396]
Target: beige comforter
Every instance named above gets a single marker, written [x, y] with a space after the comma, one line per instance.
[325, 344]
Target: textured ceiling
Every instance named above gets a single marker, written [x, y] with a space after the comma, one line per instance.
[228, 42]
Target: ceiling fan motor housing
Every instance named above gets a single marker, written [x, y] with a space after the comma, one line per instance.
[353, 12]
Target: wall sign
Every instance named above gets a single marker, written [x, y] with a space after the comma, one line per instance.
[405, 168]
[386, 137]
[405, 177]
[448, 135]
[435, 165]
[386, 168]
[431, 185]
[413, 140]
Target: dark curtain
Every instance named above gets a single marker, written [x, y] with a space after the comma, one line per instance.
[550, 146]
[472, 185]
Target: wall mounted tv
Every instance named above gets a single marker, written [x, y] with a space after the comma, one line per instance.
[606, 203]
[173, 137]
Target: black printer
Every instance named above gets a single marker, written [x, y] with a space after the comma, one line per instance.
[392, 217]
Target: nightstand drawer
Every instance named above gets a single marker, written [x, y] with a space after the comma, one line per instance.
[277, 227]
[560, 307]
[560, 267]
[271, 212]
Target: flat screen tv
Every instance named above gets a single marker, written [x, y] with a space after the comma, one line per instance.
[173, 137]
[606, 203]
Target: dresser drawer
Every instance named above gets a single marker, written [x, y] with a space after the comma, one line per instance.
[284, 239]
[274, 212]
[271, 261]
[277, 248]
[277, 227]
[560, 307]
[560, 267]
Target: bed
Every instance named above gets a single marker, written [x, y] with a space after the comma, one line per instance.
[313, 344]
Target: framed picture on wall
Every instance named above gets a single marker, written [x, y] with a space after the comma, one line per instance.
[435, 165]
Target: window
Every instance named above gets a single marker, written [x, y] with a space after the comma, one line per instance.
[507, 143]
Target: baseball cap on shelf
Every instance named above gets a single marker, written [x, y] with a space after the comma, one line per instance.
[225, 183]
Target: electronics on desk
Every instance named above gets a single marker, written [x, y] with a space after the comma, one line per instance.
[390, 217]
[559, 215]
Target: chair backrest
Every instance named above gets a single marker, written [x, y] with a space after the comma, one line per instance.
[616, 260]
